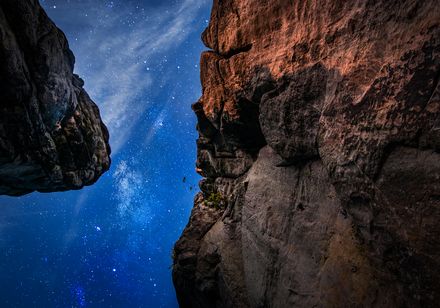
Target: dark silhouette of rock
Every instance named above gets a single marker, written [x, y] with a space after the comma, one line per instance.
[319, 125]
[51, 135]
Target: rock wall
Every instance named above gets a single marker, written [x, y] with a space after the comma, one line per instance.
[51, 135]
[319, 144]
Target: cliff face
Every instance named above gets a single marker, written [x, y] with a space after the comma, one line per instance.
[51, 134]
[319, 143]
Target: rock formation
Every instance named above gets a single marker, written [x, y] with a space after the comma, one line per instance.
[319, 144]
[51, 134]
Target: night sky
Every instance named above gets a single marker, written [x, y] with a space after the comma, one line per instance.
[109, 245]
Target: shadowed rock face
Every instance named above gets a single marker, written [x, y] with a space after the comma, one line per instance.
[51, 134]
[319, 141]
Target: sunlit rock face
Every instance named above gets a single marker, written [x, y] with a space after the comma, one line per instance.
[51, 134]
[319, 143]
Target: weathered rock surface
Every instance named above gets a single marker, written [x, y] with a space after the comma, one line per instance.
[319, 142]
[51, 134]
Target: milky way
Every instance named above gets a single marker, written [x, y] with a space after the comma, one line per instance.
[109, 245]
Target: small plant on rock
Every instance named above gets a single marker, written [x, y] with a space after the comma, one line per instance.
[215, 201]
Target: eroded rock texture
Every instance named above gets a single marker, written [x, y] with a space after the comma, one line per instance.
[51, 134]
[319, 143]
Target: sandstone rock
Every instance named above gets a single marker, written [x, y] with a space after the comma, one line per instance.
[51, 135]
[319, 125]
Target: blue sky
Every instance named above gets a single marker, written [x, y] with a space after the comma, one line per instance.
[109, 245]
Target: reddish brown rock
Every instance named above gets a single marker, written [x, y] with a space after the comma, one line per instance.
[51, 134]
[320, 129]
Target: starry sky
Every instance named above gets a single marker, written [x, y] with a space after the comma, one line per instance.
[109, 245]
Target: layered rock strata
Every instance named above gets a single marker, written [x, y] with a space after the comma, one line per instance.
[319, 144]
[52, 137]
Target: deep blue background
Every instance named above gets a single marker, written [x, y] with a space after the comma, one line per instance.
[109, 245]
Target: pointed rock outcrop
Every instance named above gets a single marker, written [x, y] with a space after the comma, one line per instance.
[52, 137]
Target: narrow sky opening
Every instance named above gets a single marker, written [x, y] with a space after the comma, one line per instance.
[110, 244]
